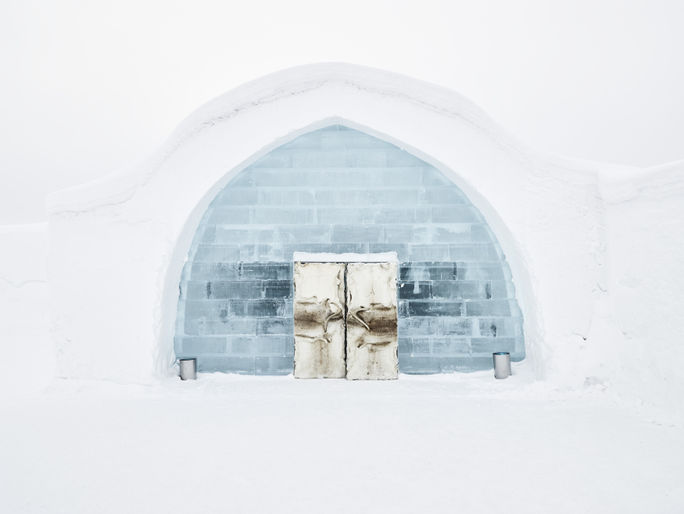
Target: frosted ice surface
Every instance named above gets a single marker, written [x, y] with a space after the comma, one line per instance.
[338, 190]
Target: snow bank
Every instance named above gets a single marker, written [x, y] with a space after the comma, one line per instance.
[645, 217]
[439, 444]
[25, 345]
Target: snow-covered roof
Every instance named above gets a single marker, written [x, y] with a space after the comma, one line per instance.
[345, 257]
[307, 80]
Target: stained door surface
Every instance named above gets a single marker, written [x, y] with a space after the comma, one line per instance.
[345, 320]
[319, 320]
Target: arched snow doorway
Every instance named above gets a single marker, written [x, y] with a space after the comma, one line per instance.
[339, 190]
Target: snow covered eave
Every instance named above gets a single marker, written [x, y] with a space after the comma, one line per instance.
[345, 257]
[656, 181]
[120, 186]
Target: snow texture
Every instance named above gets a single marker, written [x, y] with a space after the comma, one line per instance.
[345, 257]
[440, 444]
[25, 346]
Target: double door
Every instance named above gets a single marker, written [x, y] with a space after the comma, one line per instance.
[345, 320]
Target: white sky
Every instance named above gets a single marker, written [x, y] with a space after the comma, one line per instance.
[90, 86]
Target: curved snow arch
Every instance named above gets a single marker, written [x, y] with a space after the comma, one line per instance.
[128, 234]
[457, 299]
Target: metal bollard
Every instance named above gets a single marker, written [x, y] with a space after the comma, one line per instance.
[188, 369]
[502, 364]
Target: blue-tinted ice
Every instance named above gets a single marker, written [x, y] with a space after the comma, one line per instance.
[339, 190]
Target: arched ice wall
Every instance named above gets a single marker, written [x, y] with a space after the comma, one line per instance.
[117, 246]
[340, 190]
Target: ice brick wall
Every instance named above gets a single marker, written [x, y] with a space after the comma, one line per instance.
[340, 190]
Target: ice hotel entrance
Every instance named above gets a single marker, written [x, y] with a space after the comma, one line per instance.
[190, 253]
[339, 190]
[345, 316]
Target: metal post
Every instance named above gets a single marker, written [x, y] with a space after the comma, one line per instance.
[502, 364]
[188, 369]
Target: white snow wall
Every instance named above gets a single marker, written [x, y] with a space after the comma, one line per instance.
[645, 217]
[117, 245]
[25, 346]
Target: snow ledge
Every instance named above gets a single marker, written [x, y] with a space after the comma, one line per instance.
[345, 257]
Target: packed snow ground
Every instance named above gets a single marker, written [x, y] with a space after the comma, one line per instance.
[455, 443]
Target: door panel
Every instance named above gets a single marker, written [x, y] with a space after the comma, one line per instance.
[319, 320]
[372, 321]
